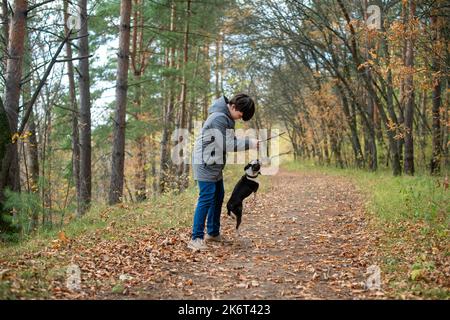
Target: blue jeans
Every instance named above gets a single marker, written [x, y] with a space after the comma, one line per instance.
[209, 205]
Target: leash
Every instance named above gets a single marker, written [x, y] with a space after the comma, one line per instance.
[278, 155]
[278, 135]
[281, 154]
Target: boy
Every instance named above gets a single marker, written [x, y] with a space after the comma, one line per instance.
[216, 138]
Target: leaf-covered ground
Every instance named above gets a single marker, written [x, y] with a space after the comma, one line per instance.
[306, 237]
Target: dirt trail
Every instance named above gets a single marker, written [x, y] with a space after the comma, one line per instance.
[305, 238]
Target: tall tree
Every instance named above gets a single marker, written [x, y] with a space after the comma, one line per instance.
[436, 96]
[168, 114]
[31, 160]
[9, 173]
[409, 88]
[74, 109]
[182, 168]
[140, 55]
[217, 67]
[118, 153]
[85, 111]
[388, 87]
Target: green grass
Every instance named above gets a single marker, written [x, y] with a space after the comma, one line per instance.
[162, 212]
[390, 198]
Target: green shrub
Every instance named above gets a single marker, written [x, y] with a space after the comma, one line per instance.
[23, 206]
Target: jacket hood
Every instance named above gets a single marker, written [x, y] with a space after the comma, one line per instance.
[220, 105]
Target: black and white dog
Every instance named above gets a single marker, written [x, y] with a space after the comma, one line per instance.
[247, 185]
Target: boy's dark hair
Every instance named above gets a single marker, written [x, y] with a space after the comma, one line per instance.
[245, 104]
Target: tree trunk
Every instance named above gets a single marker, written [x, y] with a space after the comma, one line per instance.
[182, 174]
[445, 116]
[118, 153]
[5, 23]
[165, 163]
[409, 100]
[371, 146]
[32, 158]
[206, 92]
[74, 107]
[9, 173]
[46, 168]
[33, 164]
[325, 142]
[402, 91]
[153, 165]
[351, 121]
[140, 174]
[85, 112]
[394, 154]
[423, 126]
[139, 61]
[436, 102]
[217, 68]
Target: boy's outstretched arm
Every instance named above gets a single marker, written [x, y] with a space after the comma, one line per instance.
[230, 141]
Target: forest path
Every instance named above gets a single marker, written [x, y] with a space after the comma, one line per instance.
[304, 238]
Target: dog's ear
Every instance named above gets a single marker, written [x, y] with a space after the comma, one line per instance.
[247, 166]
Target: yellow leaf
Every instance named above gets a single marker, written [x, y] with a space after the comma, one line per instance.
[62, 237]
[416, 274]
[14, 137]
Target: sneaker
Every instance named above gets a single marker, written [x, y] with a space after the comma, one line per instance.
[217, 238]
[197, 244]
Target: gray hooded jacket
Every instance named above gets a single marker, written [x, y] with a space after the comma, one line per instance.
[214, 141]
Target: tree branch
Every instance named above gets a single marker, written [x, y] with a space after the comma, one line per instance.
[76, 58]
[42, 82]
[37, 5]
